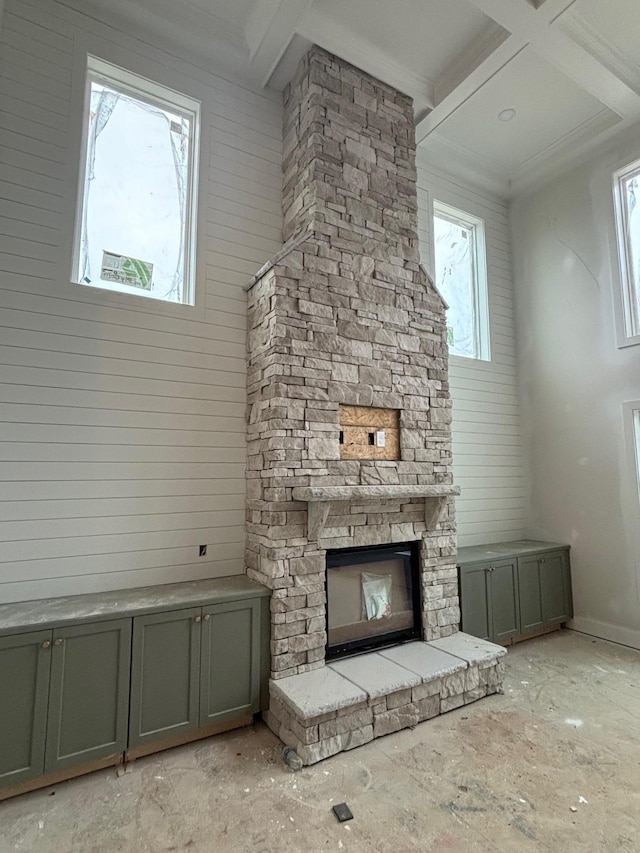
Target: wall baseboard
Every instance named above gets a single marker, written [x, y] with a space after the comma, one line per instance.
[606, 631]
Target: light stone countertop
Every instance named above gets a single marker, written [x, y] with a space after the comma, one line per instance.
[502, 550]
[24, 616]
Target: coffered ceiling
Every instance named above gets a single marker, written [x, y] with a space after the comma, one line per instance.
[510, 90]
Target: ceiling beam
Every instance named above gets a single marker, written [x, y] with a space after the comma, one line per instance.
[536, 26]
[533, 27]
[474, 81]
[269, 30]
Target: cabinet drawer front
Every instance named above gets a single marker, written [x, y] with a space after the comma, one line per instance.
[89, 693]
[24, 691]
[230, 668]
[165, 675]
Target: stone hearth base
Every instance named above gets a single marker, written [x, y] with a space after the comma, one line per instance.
[352, 701]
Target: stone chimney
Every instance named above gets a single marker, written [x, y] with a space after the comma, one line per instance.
[345, 315]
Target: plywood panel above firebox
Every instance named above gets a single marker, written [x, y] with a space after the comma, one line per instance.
[369, 433]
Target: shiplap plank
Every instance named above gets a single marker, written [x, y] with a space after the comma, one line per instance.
[85, 490]
[19, 336]
[29, 231]
[48, 510]
[51, 434]
[76, 546]
[19, 158]
[18, 590]
[90, 299]
[173, 381]
[117, 525]
[161, 327]
[51, 454]
[36, 45]
[49, 377]
[23, 195]
[32, 570]
[150, 340]
[120, 470]
[74, 415]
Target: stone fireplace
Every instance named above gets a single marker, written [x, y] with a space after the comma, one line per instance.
[373, 598]
[344, 317]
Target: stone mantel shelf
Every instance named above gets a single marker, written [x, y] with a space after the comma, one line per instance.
[319, 500]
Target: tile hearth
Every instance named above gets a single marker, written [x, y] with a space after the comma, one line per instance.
[352, 701]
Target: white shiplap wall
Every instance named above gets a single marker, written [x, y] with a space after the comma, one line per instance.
[488, 455]
[121, 420]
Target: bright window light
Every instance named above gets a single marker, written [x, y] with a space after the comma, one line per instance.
[135, 231]
[460, 268]
[627, 199]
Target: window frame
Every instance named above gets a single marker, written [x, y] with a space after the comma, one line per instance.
[482, 332]
[152, 93]
[631, 481]
[627, 312]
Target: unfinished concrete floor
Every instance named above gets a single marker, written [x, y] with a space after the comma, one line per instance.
[552, 765]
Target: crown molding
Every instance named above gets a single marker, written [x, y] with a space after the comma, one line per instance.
[270, 30]
[603, 50]
[587, 132]
[181, 28]
[468, 167]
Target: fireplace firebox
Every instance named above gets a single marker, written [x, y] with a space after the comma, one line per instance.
[373, 598]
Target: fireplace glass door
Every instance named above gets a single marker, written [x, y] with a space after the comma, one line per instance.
[373, 597]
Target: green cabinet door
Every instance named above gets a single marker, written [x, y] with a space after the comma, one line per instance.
[24, 690]
[230, 663]
[530, 598]
[88, 694]
[165, 675]
[555, 589]
[503, 597]
[474, 600]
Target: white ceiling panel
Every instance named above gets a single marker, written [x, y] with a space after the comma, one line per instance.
[550, 110]
[235, 12]
[425, 35]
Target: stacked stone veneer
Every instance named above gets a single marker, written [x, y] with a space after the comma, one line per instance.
[345, 314]
[360, 699]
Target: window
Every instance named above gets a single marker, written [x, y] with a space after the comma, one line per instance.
[461, 277]
[630, 491]
[636, 444]
[135, 227]
[627, 205]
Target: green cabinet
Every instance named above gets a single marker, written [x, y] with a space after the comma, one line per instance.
[65, 694]
[88, 693]
[165, 668]
[89, 681]
[489, 600]
[230, 661]
[545, 581]
[512, 590]
[192, 669]
[25, 662]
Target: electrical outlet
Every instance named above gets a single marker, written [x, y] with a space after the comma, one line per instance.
[203, 551]
[380, 438]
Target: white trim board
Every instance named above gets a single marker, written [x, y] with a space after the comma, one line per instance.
[605, 631]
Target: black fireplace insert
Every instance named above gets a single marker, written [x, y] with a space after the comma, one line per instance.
[373, 597]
